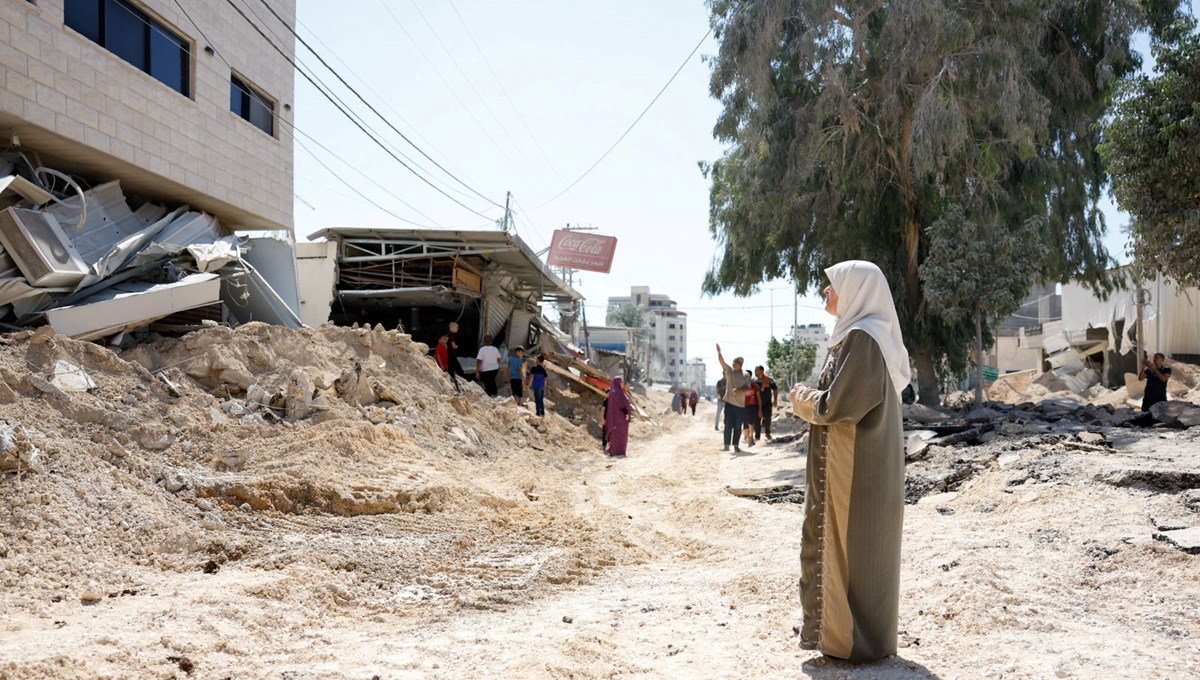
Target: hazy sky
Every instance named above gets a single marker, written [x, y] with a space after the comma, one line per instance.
[524, 96]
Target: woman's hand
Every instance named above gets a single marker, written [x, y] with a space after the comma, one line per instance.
[796, 391]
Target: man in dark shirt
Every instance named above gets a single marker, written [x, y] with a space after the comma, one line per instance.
[1156, 375]
[768, 394]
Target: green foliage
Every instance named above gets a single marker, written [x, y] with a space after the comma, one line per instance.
[791, 359]
[853, 126]
[1153, 149]
[977, 265]
[629, 316]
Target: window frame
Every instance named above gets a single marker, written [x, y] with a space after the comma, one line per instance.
[149, 25]
[249, 94]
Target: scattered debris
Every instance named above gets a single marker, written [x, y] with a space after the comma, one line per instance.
[1187, 540]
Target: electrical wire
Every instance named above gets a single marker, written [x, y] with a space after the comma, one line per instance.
[486, 107]
[466, 108]
[369, 106]
[343, 110]
[631, 125]
[296, 130]
[503, 89]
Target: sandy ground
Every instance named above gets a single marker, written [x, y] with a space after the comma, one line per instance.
[668, 575]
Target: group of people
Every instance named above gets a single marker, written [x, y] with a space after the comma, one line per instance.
[748, 401]
[683, 400]
[522, 374]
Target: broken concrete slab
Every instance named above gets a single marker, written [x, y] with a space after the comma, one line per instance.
[68, 377]
[1187, 540]
[15, 184]
[1176, 413]
[132, 305]
[923, 414]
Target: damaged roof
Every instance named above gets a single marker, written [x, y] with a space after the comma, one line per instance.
[506, 250]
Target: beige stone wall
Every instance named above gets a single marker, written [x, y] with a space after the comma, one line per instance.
[86, 111]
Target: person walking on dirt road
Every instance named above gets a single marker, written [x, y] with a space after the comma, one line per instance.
[854, 481]
[720, 403]
[536, 379]
[516, 375]
[487, 365]
[768, 393]
[617, 414]
[736, 382]
[693, 401]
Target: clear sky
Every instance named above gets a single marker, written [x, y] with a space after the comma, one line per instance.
[524, 96]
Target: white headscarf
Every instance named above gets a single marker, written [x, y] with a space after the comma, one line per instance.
[865, 303]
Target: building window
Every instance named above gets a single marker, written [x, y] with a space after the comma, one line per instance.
[133, 36]
[671, 326]
[671, 350]
[251, 104]
[639, 299]
[670, 337]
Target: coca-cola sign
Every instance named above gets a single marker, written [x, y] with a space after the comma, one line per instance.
[581, 250]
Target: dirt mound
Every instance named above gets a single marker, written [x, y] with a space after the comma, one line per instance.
[280, 452]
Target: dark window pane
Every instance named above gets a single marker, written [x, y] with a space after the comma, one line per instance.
[84, 17]
[235, 96]
[125, 33]
[261, 115]
[168, 62]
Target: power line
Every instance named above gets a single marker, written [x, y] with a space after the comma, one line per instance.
[503, 89]
[279, 119]
[354, 188]
[343, 110]
[482, 100]
[383, 99]
[631, 125]
[369, 106]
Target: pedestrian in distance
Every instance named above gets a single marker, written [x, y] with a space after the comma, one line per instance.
[720, 403]
[676, 401]
[693, 401]
[736, 383]
[617, 414]
[536, 381]
[854, 481]
[487, 365]
[454, 367]
[753, 412]
[441, 354]
[768, 393]
[516, 375]
[1156, 374]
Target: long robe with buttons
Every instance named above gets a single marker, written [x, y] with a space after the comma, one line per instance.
[854, 505]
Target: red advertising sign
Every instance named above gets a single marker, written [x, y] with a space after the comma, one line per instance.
[579, 250]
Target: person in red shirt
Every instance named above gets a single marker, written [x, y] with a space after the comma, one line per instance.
[441, 353]
[752, 414]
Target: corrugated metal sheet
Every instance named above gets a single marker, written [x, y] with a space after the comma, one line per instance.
[498, 309]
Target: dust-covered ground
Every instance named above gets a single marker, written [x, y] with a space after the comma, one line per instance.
[385, 527]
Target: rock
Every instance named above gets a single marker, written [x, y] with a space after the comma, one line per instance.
[91, 596]
[1092, 438]
[568, 619]
[923, 414]
[173, 483]
[68, 377]
[1176, 413]
[299, 396]
[41, 385]
[204, 504]
[17, 452]
[1187, 540]
[983, 414]
[211, 521]
[231, 460]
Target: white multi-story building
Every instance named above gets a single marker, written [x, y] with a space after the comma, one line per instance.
[817, 335]
[695, 375]
[667, 351]
[181, 102]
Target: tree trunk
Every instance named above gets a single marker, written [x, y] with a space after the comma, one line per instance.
[978, 357]
[928, 391]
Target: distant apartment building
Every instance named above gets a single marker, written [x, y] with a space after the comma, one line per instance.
[695, 375]
[666, 354]
[181, 102]
[817, 335]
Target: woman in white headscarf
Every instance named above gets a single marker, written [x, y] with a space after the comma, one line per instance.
[854, 500]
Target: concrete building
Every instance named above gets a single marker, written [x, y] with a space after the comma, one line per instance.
[695, 375]
[667, 351]
[817, 335]
[1019, 338]
[181, 102]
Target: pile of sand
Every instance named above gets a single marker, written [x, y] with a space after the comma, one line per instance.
[340, 456]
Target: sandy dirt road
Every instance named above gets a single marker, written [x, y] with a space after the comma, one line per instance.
[995, 584]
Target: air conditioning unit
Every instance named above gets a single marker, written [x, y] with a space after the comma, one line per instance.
[41, 250]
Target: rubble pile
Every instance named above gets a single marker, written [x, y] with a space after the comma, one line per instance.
[91, 265]
[339, 460]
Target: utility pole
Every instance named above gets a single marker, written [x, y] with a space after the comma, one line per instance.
[1140, 298]
[506, 223]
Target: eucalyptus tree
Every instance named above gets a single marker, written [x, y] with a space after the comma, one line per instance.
[853, 126]
[1152, 146]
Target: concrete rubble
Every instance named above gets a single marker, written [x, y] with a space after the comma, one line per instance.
[92, 266]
